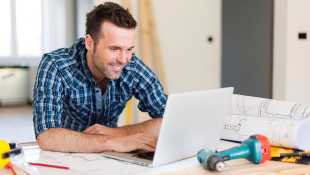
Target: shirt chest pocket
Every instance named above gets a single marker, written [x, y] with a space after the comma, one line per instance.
[79, 113]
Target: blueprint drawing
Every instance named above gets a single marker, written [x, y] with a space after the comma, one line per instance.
[254, 106]
[280, 132]
[286, 124]
[91, 164]
[95, 163]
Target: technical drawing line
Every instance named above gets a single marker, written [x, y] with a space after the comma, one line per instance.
[280, 132]
[254, 106]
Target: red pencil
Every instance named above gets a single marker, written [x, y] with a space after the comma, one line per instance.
[53, 166]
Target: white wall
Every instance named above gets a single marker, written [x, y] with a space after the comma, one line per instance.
[54, 35]
[279, 50]
[82, 7]
[58, 31]
[54, 25]
[190, 62]
[291, 55]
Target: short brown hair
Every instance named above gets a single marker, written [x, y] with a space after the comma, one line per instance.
[111, 12]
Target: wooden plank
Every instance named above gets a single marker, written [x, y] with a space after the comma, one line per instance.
[242, 166]
[128, 118]
[127, 5]
[145, 35]
[157, 53]
[6, 171]
[25, 144]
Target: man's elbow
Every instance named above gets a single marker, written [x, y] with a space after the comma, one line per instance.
[42, 140]
[159, 121]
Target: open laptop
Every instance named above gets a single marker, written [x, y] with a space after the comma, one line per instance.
[192, 121]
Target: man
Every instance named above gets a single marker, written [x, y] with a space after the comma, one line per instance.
[80, 91]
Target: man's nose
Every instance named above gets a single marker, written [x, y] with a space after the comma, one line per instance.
[122, 58]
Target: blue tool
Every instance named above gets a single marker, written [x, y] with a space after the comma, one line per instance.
[255, 149]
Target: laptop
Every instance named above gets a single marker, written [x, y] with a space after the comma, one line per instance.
[192, 121]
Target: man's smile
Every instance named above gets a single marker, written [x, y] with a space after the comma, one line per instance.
[115, 68]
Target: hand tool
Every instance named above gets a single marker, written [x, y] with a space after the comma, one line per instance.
[7, 150]
[255, 149]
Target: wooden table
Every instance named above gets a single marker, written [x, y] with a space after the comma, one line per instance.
[242, 166]
[238, 166]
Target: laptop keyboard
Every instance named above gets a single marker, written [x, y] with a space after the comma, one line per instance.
[147, 155]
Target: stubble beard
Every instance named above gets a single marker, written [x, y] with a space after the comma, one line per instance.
[103, 68]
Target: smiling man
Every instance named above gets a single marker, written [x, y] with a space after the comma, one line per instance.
[80, 91]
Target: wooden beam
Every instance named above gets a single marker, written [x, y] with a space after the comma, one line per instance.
[157, 53]
[146, 51]
[127, 5]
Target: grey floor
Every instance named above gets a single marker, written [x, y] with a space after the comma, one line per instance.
[16, 123]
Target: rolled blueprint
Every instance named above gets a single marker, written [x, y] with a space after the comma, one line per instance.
[286, 124]
[280, 132]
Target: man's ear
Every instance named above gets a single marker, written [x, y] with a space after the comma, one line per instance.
[89, 42]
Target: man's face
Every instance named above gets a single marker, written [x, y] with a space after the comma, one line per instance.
[113, 50]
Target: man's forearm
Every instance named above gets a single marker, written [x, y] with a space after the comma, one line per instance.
[64, 140]
[148, 127]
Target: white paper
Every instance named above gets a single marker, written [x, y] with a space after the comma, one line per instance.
[280, 132]
[90, 164]
[94, 163]
[286, 124]
[254, 106]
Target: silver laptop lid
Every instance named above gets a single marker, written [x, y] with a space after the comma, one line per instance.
[192, 121]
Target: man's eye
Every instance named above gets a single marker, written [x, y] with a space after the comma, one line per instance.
[113, 48]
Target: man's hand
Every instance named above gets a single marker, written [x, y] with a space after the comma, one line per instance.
[102, 130]
[124, 143]
[148, 127]
[134, 142]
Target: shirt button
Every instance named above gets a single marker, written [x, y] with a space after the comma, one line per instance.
[99, 110]
[97, 91]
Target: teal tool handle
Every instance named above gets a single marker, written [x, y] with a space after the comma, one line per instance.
[235, 153]
[249, 149]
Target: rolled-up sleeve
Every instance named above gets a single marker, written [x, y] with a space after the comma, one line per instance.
[149, 91]
[47, 96]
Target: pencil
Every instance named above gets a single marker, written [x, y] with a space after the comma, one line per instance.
[52, 166]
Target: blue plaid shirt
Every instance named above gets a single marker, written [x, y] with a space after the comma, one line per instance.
[65, 94]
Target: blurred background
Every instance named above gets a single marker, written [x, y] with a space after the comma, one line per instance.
[260, 47]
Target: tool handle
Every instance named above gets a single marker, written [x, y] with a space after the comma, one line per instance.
[235, 153]
[12, 152]
[12, 145]
[251, 149]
